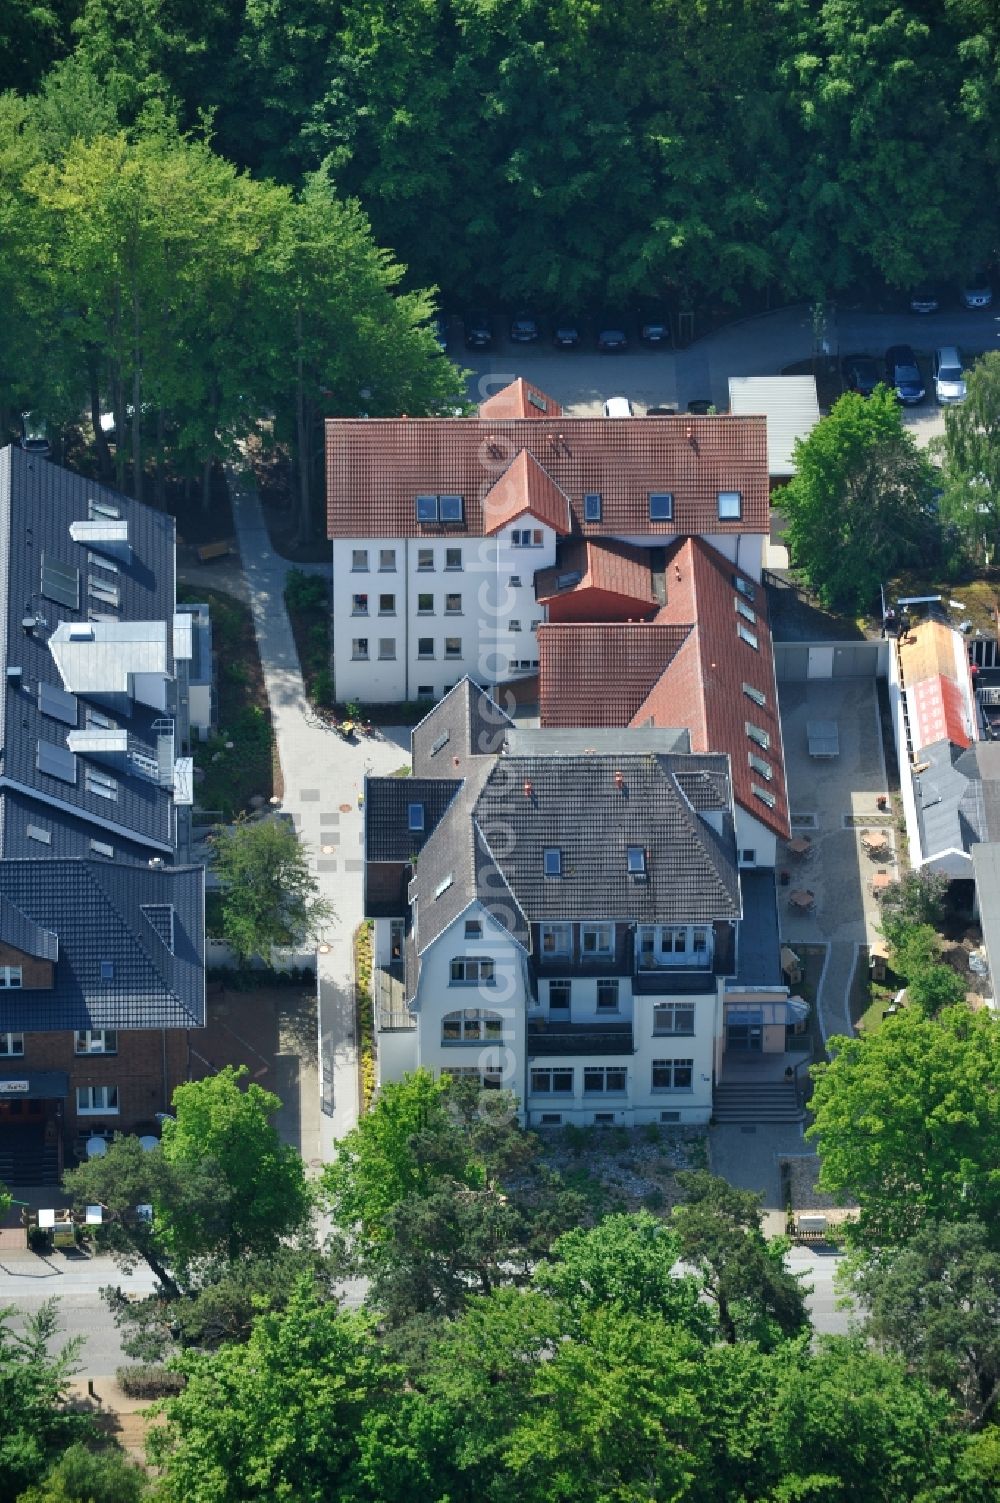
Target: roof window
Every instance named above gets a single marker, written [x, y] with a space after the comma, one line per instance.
[415, 816]
[107, 970]
[759, 765]
[730, 506]
[757, 695]
[636, 861]
[747, 636]
[552, 859]
[451, 508]
[101, 848]
[440, 743]
[443, 885]
[764, 794]
[592, 506]
[744, 587]
[56, 761]
[758, 734]
[567, 581]
[36, 832]
[427, 508]
[745, 611]
[661, 506]
[102, 511]
[57, 704]
[60, 582]
[538, 401]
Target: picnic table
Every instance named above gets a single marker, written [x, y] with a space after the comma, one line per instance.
[823, 738]
[880, 881]
[800, 846]
[875, 840]
[802, 900]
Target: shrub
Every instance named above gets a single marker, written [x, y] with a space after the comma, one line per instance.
[149, 1380]
[304, 592]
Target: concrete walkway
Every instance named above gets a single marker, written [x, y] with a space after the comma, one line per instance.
[323, 780]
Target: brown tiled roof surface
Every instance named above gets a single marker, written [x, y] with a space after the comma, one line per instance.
[525, 488]
[520, 400]
[376, 467]
[685, 668]
[600, 673]
[613, 567]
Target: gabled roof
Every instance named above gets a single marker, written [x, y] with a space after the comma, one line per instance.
[388, 836]
[599, 673]
[937, 684]
[465, 725]
[525, 489]
[114, 968]
[599, 564]
[376, 467]
[22, 933]
[520, 400]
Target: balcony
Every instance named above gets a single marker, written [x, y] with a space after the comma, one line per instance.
[389, 999]
[552, 1038]
[616, 963]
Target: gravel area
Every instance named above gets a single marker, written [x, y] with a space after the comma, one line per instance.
[799, 1176]
[625, 1168]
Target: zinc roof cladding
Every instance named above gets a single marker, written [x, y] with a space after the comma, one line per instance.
[376, 467]
[615, 568]
[515, 401]
[691, 873]
[388, 836]
[95, 910]
[38, 501]
[599, 674]
[525, 489]
[474, 725]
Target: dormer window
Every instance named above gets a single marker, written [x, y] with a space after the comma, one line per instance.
[730, 506]
[427, 508]
[636, 861]
[661, 506]
[415, 817]
[552, 860]
[451, 509]
[592, 506]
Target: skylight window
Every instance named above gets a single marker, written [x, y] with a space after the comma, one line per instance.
[759, 765]
[757, 695]
[107, 970]
[745, 611]
[443, 885]
[56, 761]
[451, 508]
[636, 861]
[415, 816]
[730, 506]
[747, 636]
[592, 506]
[745, 587]
[101, 848]
[661, 506]
[553, 861]
[440, 743]
[60, 582]
[764, 794]
[758, 734]
[568, 580]
[100, 783]
[427, 508]
[36, 832]
[537, 401]
[102, 511]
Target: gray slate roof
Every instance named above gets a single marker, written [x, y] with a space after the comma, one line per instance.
[388, 836]
[38, 502]
[466, 725]
[97, 910]
[22, 933]
[951, 814]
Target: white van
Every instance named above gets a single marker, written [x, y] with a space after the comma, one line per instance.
[949, 384]
[618, 407]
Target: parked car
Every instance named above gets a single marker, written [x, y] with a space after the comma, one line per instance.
[661, 411]
[976, 291]
[616, 407]
[523, 328]
[925, 299]
[861, 374]
[903, 374]
[565, 333]
[654, 327]
[701, 406]
[611, 335]
[34, 435]
[949, 383]
[478, 330]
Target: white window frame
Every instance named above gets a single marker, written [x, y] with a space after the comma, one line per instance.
[542, 1081]
[566, 986]
[387, 649]
[11, 1045]
[475, 1025]
[423, 555]
[11, 978]
[526, 537]
[359, 650]
[359, 560]
[95, 1041]
[556, 939]
[606, 1008]
[425, 610]
[455, 568]
[387, 560]
[673, 1019]
[359, 604]
[97, 1101]
[596, 1080]
[383, 608]
[601, 937]
[473, 970]
[668, 1070]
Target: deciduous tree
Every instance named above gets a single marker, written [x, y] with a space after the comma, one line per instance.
[269, 893]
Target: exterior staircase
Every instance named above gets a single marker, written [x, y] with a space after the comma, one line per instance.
[756, 1102]
[27, 1160]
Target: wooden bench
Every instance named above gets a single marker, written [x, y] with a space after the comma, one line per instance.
[209, 552]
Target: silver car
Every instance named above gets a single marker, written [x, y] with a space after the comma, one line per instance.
[949, 383]
[977, 292]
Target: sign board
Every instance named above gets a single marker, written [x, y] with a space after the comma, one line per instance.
[14, 1087]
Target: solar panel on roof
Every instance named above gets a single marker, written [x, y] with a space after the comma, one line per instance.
[60, 582]
[57, 703]
[57, 761]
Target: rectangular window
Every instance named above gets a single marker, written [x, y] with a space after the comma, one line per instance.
[425, 691]
[592, 506]
[415, 817]
[515, 581]
[57, 761]
[757, 695]
[101, 848]
[425, 559]
[766, 797]
[453, 605]
[515, 626]
[604, 1119]
[604, 1079]
[560, 996]
[673, 1074]
[100, 783]
[427, 509]
[745, 587]
[387, 560]
[453, 647]
[93, 1100]
[359, 649]
[757, 734]
[661, 506]
[453, 558]
[11, 1044]
[359, 561]
[425, 605]
[387, 605]
[744, 610]
[451, 509]
[37, 832]
[557, 939]
[673, 1017]
[746, 635]
[597, 939]
[387, 649]
[471, 1026]
[550, 1119]
[57, 704]
[425, 647]
[97, 1041]
[748, 856]
[607, 996]
[359, 605]
[759, 765]
[536, 624]
[552, 1082]
[107, 970]
[636, 861]
[526, 537]
[473, 928]
[552, 858]
[469, 971]
[730, 506]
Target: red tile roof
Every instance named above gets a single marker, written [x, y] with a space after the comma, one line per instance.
[940, 698]
[376, 467]
[593, 675]
[614, 568]
[520, 400]
[525, 489]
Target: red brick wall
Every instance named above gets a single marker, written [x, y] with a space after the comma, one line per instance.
[137, 1070]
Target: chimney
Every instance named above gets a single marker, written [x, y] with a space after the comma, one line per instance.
[619, 780]
[528, 790]
[689, 432]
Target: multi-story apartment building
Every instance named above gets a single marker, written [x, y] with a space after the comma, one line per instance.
[101, 931]
[563, 912]
[453, 537]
